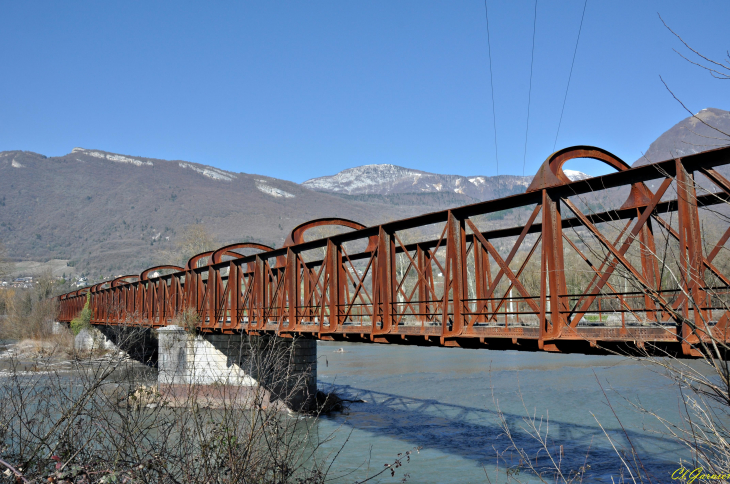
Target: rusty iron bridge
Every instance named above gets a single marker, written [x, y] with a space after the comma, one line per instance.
[575, 276]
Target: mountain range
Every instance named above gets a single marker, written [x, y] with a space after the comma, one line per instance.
[386, 179]
[107, 214]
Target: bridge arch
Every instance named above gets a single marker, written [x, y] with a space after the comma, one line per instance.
[99, 286]
[73, 293]
[296, 236]
[551, 173]
[145, 274]
[193, 262]
[121, 280]
[228, 250]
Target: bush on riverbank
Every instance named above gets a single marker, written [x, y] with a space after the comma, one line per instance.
[188, 319]
[83, 320]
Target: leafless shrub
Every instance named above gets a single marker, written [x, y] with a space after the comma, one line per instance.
[188, 319]
[30, 314]
[104, 421]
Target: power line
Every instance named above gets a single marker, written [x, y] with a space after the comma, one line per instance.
[571, 73]
[529, 93]
[491, 82]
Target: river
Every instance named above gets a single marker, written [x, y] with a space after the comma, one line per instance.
[448, 402]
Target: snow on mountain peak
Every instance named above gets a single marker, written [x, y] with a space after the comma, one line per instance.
[113, 157]
[208, 171]
[575, 175]
[361, 178]
[386, 179]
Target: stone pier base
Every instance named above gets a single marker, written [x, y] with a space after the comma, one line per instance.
[218, 370]
[91, 340]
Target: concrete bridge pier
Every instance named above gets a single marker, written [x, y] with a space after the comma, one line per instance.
[220, 369]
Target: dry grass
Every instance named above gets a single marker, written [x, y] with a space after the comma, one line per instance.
[59, 345]
[188, 320]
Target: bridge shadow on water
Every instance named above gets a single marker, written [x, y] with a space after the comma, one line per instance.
[476, 434]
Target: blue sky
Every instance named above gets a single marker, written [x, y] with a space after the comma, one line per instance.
[296, 90]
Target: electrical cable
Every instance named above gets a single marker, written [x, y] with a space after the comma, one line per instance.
[491, 82]
[571, 73]
[529, 93]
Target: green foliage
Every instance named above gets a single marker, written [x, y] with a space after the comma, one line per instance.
[83, 320]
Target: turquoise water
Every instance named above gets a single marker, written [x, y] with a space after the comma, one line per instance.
[448, 400]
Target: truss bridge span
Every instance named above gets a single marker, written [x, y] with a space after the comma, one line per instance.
[631, 261]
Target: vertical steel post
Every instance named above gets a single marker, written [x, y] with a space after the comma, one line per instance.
[292, 288]
[455, 277]
[307, 293]
[334, 288]
[422, 259]
[480, 277]
[691, 254]
[649, 265]
[234, 293]
[212, 291]
[552, 233]
[162, 297]
[200, 293]
[256, 317]
[150, 301]
[384, 283]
